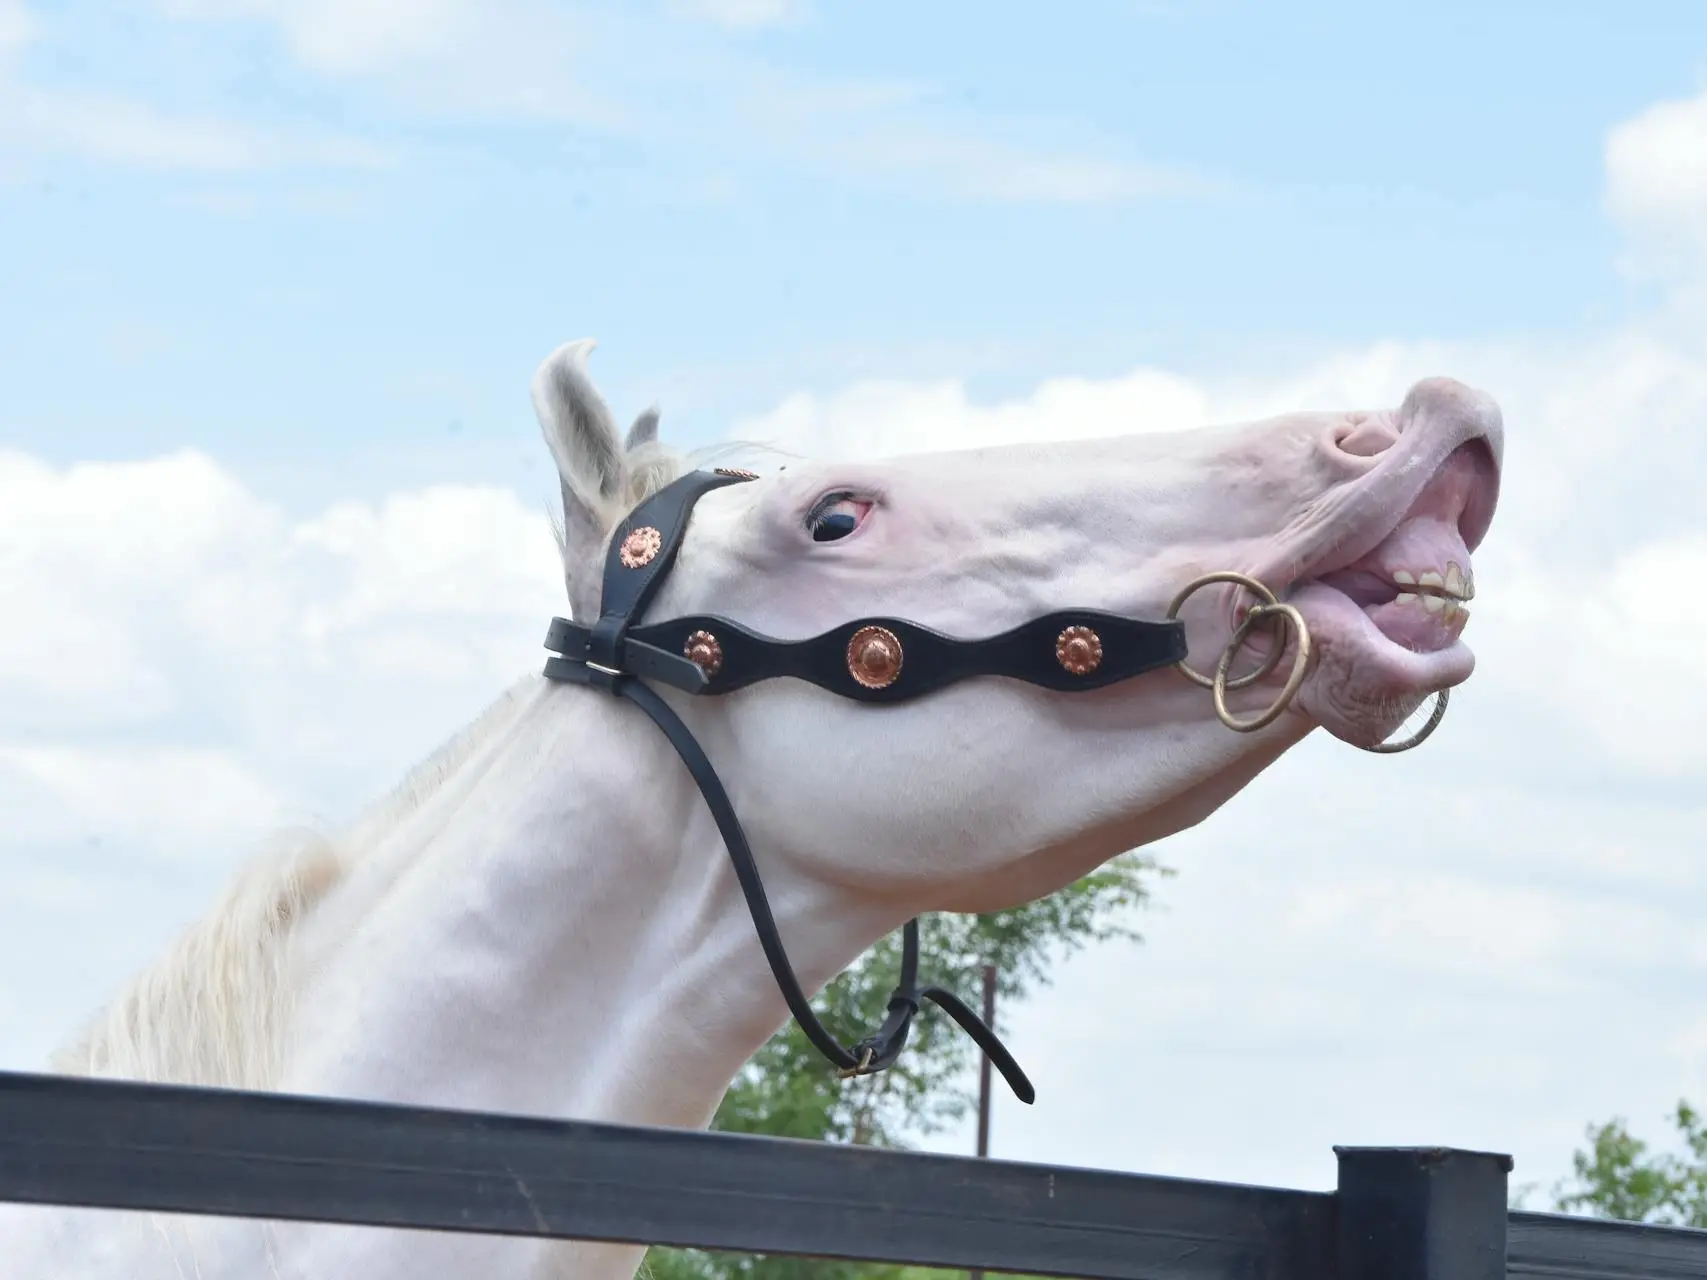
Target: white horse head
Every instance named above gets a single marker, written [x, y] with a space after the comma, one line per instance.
[992, 792]
[544, 919]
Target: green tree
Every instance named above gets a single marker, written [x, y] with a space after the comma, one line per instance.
[1619, 1176]
[788, 1090]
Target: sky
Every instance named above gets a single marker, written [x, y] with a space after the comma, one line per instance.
[273, 503]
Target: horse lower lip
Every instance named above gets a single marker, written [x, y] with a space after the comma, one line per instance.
[1420, 619]
[1411, 645]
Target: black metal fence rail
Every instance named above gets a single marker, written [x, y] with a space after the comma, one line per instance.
[1398, 1214]
[1544, 1244]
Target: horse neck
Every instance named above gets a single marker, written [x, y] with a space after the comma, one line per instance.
[550, 928]
[556, 931]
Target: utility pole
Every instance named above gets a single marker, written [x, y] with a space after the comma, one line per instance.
[984, 1077]
[984, 1063]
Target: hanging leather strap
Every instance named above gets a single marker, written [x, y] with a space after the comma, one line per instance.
[875, 1052]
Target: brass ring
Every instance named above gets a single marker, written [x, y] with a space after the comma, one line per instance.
[858, 1069]
[1421, 735]
[1255, 588]
[1220, 683]
[1300, 665]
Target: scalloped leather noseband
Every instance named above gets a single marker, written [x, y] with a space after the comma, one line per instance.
[877, 660]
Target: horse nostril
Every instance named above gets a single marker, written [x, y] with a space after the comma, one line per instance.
[1364, 435]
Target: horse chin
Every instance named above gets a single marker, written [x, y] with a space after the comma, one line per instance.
[1375, 664]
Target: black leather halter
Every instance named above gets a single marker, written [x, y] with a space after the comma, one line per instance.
[878, 660]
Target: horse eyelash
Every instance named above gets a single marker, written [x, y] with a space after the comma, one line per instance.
[820, 507]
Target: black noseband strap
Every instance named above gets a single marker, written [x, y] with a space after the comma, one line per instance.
[930, 660]
[875, 660]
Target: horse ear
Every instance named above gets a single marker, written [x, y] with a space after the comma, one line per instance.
[582, 437]
[644, 430]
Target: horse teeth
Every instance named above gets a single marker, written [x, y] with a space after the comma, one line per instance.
[1451, 611]
[1455, 583]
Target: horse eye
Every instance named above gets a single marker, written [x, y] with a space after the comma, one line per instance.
[835, 517]
[833, 525]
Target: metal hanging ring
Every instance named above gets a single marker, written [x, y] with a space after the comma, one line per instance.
[1421, 735]
[1220, 683]
[1300, 665]
[859, 1068]
[1255, 588]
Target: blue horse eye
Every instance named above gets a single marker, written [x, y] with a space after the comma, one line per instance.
[835, 524]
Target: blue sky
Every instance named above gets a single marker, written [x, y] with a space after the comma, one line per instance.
[347, 242]
[277, 273]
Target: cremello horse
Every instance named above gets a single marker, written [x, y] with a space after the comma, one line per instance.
[543, 919]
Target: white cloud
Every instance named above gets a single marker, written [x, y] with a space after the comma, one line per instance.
[1619, 651]
[682, 83]
[881, 419]
[1449, 947]
[1464, 924]
[348, 35]
[192, 668]
[173, 800]
[1656, 169]
[678, 82]
[448, 551]
[97, 543]
[106, 127]
[175, 612]
[443, 58]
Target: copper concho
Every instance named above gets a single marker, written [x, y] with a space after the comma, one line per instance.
[703, 650]
[639, 547]
[874, 657]
[1079, 650]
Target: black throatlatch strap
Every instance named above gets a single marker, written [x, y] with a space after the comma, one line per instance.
[617, 657]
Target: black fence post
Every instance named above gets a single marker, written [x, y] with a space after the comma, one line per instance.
[1421, 1213]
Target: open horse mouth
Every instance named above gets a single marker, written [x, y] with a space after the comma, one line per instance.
[1415, 586]
[1388, 604]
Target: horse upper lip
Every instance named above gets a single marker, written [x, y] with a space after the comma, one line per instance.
[1404, 475]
